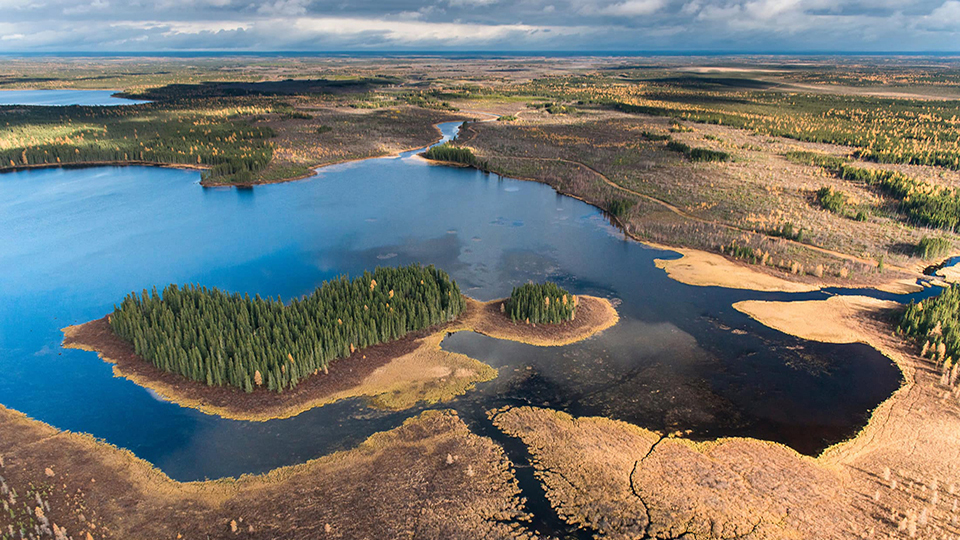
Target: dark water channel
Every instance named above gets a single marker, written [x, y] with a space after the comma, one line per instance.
[76, 241]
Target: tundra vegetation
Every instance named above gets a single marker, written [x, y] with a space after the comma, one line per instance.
[212, 134]
[541, 303]
[278, 128]
[222, 339]
[896, 159]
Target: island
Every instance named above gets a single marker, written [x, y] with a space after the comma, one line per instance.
[377, 335]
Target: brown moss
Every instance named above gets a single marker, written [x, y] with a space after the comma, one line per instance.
[628, 482]
[396, 484]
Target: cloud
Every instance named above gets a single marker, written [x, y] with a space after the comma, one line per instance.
[721, 25]
[633, 8]
[945, 17]
[283, 7]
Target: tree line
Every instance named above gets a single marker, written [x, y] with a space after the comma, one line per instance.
[223, 339]
[541, 303]
[935, 323]
[454, 154]
[923, 203]
[210, 133]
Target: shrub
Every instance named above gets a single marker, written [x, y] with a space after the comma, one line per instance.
[705, 154]
[826, 161]
[678, 146]
[831, 200]
[698, 154]
[931, 247]
[619, 207]
[651, 136]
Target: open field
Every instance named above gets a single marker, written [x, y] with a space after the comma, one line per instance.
[743, 208]
[430, 478]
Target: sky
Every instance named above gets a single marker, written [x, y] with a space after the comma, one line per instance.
[480, 25]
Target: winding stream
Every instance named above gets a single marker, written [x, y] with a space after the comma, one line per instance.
[77, 240]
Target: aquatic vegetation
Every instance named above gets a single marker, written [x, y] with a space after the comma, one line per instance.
[223, 339]
[541, 303]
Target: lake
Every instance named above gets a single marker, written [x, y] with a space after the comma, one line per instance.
[63, 97]
[77, 240]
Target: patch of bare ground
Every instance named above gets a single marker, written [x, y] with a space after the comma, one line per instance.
[600, 156]
[429, 478]
[395, 375]
[896, 479]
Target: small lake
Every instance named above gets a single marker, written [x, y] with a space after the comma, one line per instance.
[77, 240]
[62, 98]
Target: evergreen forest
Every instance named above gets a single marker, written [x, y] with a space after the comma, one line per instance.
[541, 303]
[223, 339]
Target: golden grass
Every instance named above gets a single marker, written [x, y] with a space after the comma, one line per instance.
[705, 269]
[99, 489]
[630, 482]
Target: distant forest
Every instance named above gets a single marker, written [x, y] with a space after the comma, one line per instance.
[223, 339]
[210, 133]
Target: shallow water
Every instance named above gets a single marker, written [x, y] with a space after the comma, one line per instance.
[63, 97]
[681, 358]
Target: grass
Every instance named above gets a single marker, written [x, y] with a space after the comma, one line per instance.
[746, 205]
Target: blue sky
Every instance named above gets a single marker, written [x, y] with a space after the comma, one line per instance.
[477, 25]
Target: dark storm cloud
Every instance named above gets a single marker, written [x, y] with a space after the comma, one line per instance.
[756, 25]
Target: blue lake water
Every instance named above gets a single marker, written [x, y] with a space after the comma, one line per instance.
[63, 97]
[76, 241]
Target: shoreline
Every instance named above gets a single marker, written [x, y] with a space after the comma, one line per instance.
[395, 375]
[93, 164]
[97, 490]
[843, 319]
[315, 169]
[871, 485]
[692, 268]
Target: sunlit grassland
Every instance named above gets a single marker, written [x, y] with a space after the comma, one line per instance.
[211, 134]
[922, 132]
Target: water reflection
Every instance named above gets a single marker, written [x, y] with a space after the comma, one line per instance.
[78, 240]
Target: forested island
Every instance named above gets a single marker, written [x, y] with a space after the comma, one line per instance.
[541, 303]
[377, 336]
[224, 339]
